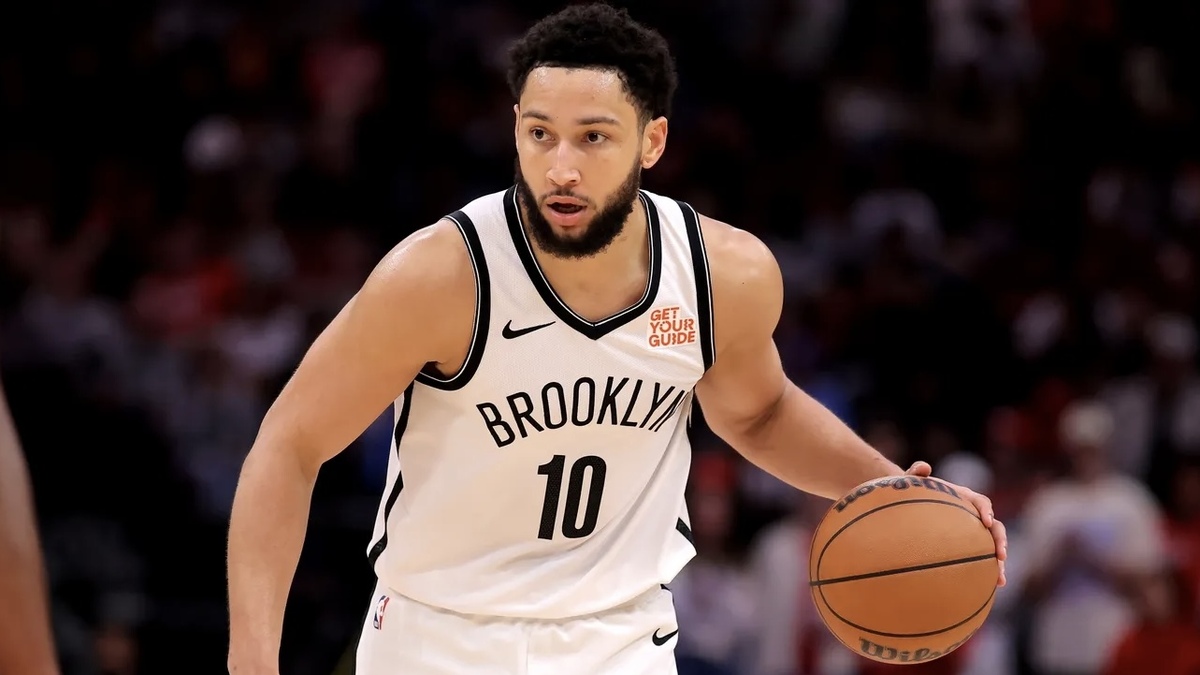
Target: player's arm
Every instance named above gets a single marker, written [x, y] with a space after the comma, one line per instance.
[748, 400]
[746, 397]
[26, 645]
[416, 307]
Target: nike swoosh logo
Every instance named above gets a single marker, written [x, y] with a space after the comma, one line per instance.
[509, 333]
[660, 640]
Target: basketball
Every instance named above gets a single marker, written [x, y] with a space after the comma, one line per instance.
[902, 569]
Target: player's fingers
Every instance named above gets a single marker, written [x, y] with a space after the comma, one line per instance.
[984, 506]
[921, 469]
[1000, 534]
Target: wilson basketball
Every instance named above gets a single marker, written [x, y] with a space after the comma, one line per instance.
[903, 570]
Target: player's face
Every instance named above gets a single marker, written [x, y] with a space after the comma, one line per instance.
[581, 149]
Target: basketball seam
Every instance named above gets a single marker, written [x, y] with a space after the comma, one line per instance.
[902, 570]
[877, 509]
[839, 617]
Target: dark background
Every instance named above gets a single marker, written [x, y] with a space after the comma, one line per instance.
[987, 212]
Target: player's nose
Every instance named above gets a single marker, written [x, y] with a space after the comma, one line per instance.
[564, 170]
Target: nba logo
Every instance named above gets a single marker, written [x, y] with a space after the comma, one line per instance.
[380, 608]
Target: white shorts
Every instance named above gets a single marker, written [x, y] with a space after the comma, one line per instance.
[404, 637]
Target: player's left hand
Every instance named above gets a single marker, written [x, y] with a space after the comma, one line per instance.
[986, 512]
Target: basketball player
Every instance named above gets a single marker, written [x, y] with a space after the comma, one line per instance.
[544, 347]
[26, 645]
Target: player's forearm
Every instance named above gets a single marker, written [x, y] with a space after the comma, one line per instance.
[805, 445]
[266, 534]
[26, 644]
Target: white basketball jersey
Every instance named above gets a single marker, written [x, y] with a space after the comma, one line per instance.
[546, 478]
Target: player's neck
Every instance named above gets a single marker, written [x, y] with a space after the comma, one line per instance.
[607, 282]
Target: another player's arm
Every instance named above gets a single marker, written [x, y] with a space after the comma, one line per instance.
[748, 400]
[416, 307]
[26, 643]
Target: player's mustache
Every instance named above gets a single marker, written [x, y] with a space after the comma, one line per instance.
[563, 193]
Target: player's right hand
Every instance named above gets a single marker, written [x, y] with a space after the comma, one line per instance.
[986, 513]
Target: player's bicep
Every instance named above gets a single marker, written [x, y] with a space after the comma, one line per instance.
[746, 379]
[342, 383]
[368, 354]
[742, 386]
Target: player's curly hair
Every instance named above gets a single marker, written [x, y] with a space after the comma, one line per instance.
[597, 35]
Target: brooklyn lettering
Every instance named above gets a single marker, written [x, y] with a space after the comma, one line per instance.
[901, 483]
[624, 402]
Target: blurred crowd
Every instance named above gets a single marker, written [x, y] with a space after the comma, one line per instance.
[987, 213]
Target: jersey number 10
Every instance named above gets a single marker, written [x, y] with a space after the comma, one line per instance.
[553, 471]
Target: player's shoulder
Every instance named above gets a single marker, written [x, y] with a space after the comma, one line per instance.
[438, 258]
[736, 255]
[432, 266]
[746, 282]
[743, 271]
[483, 206]
[736, 258]
[435, 252]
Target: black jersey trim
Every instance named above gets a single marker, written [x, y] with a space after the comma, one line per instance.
[483, 309]
[591, 329]
[686, 531]
[401, 425]
[704, 303]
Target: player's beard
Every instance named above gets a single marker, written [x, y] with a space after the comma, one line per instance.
[602, 230]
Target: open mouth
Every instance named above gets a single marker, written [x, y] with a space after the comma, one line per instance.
[565, 208]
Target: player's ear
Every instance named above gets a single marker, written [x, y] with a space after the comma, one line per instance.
[654, 141]
[516, 120]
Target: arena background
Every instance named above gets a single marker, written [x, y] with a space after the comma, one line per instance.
[987, 213]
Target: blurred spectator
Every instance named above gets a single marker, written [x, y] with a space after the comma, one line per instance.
[186, 290]
[1087, 535]
[263, 333]
[789, 636]
[1165, 640]
[1159, 411]
[1183, 535]
[1010, 451]
[98, 582]
[941, 448]
[61, 323]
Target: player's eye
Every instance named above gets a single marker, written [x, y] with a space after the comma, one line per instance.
[539, 134]
[595, 137]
